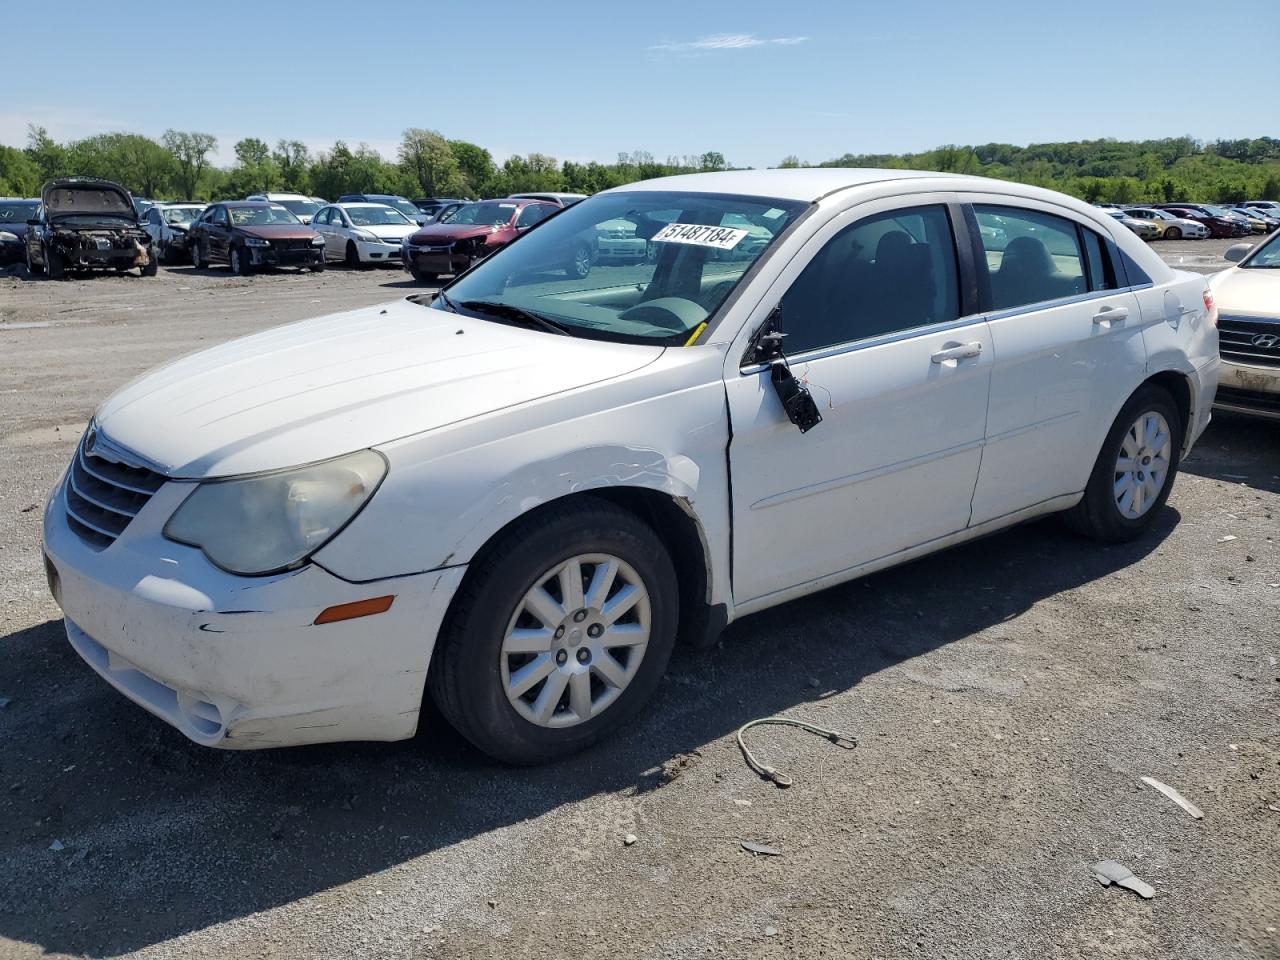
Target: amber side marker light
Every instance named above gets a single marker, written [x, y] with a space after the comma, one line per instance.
[349, 611]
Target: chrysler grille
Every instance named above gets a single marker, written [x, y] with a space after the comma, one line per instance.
[104, 494]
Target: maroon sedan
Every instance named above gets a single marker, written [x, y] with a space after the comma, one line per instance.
[248, 234]
[469, 234]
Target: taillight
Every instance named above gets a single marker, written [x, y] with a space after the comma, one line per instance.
[1210, 308]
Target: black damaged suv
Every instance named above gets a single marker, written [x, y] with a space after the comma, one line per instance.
[87, 224]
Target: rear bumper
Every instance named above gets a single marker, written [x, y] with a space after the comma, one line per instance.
[238, 662]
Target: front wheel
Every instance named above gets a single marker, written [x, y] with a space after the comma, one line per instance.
[559, 635]
[1134, 472]
[352, 258]
[423, 276]
[33, 269]
[197, 260]
[1173, 233]
[56, 266]
[152, 266]
[580, 265]
[240, 262]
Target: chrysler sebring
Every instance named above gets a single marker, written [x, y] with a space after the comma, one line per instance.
[515, 496]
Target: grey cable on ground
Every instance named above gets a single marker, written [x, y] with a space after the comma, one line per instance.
[768, 772]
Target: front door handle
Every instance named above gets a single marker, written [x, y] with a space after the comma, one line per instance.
[1111, 315]
[957, 351]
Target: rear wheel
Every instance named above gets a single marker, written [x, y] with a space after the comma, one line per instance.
[559, 635]
[1134, 472]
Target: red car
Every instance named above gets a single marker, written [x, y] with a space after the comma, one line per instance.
[1220, 227]
[471, 233]
[250, 234]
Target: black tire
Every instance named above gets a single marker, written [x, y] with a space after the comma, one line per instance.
[197, 260]
[1098, 515]
[465, 677]
[239, 261]
[352, 258]
[54, 264]
[423, 276]
[152, 266]
[33, 269]
[318, 267]
[1173, 233]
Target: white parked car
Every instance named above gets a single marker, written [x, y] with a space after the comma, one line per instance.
[518, 495]
[1171, 227]
[360, 233]
[1248, 298]
[304, 208]
[168, 224]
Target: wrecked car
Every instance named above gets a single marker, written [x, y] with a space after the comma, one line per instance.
[515, 495]
[87, 224]
[251, 234]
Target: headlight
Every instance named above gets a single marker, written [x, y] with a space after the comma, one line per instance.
[317, 241]
[275, 521]
[256, 242]
[7, 237]
[364, 237]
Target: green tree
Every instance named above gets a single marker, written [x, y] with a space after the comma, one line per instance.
[190, 152]
[50, 158]
[428, 159]
[1271, 188]
[19, 175]
[292, 160]
[475, 163]
[713, 160]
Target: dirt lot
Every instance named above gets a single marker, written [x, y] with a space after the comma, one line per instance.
[1007, 697]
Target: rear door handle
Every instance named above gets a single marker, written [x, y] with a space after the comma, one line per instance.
[959, 351]
[1111, 315]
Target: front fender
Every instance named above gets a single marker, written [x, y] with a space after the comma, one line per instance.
[448, 491]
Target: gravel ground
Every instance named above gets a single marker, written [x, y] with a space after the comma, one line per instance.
[1007, 696]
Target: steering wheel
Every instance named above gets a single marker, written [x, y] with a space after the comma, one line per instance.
[671, 313]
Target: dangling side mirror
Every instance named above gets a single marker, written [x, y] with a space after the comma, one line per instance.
[797, 402]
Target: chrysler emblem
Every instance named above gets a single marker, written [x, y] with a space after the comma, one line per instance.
[1267, 341]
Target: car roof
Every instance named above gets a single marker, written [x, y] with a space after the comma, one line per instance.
[808, 183]
[349, 204]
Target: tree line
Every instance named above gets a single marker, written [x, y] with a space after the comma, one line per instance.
[179, 166]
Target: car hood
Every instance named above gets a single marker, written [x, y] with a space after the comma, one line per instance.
[1246, 292]
[87, 197]
[325, 387]
[451, 231]
[277, 231]
[389, 231]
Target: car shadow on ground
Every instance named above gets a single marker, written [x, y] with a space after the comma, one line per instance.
[1239, 449]
[160, 837]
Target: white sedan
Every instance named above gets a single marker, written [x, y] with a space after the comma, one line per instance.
[361, 233]
[1248, 296]
[517, 495]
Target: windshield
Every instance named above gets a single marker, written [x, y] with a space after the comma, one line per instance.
[180, 214]
[1216, 211]
[18, 212]
[300, 208]
[492, 214]
[376, 216]
[1268, 255]
[658, 276]
[258, 216]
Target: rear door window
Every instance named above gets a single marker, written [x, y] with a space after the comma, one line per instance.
[1102, 271]
[888, 273]
[1031, 257]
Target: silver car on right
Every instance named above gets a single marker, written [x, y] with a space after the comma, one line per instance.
[1248, 299]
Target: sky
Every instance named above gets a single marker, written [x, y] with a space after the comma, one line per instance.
[756, 81]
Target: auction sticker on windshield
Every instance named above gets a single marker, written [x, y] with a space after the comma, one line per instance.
[723, 238]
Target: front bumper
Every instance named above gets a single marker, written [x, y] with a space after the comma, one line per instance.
[274, 256]
[237, 662]
[622, 248]
[1249, 388]
[12, 251]
[379, 252]
[453, 259]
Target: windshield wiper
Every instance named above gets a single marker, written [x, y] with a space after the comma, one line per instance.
[444, 298]
[510, 312]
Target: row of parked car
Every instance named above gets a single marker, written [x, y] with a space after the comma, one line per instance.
[1197, 221]
[82, 223]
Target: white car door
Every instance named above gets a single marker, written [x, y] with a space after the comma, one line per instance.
[898, 362]
[1068, 351]
[339, 233]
